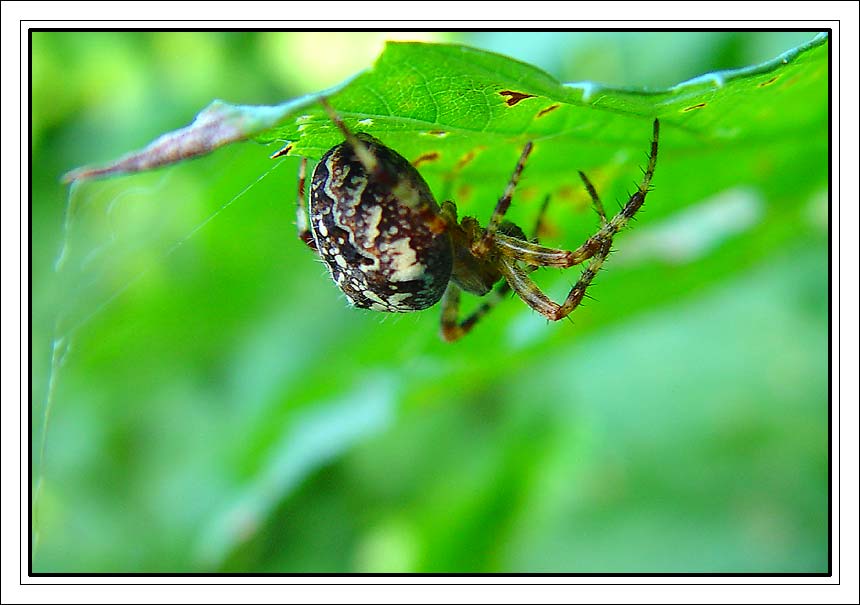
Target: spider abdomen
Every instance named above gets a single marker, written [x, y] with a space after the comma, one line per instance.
[378, 231]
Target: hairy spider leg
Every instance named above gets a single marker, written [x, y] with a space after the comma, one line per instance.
[304, 231]
[486, 242]
[362, 152]
[536, 255]
[637, 199]
[452, 328]
[528, 290]
[513, 249]
[430, 215]
[595, 199]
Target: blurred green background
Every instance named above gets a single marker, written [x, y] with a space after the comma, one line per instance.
[216, 406]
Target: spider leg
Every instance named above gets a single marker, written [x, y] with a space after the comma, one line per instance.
[635, 202]
[597, 247]
[486, 242]
[362, 151]
[304, 231]
[595, 199]
[539, 220]
[536, 255]
[454, 329]
[526, 289]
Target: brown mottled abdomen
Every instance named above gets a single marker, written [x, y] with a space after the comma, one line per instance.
[376, 232]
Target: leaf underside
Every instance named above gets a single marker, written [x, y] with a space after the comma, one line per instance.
[462, 115]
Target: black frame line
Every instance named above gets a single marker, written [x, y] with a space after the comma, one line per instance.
[832, 283]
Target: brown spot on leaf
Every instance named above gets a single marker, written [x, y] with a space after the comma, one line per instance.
[427, 157]
[464, 192]
[546, 110]
[566, 193]
[769, 82]
[692, 107]
[548, 230]
[464, 161]
[515, 97]
[283, 151]
[528, 193]
[438, 133]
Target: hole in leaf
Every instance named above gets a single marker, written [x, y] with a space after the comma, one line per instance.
[515, 97]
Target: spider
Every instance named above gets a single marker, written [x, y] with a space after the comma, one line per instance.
[390, 247]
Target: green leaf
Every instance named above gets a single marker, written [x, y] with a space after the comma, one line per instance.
[463, 110]
[468, 113]
[463, 115]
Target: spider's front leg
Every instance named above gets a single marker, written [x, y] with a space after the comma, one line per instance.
[486, 242]
[618, 222]
[597, 247]
[526, 289]
[302, 227]
[542, 256]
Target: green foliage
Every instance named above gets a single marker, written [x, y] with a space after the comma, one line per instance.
[220, 407]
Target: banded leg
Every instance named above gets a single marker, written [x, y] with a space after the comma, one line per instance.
[620, 220]
[536, 255]
[597, 247]
[301, 209]
[452, 329]
[526, 289]
[595, 199]
[362, 151]
[486, 242]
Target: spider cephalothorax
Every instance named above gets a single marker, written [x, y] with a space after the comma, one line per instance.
[390, 247]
